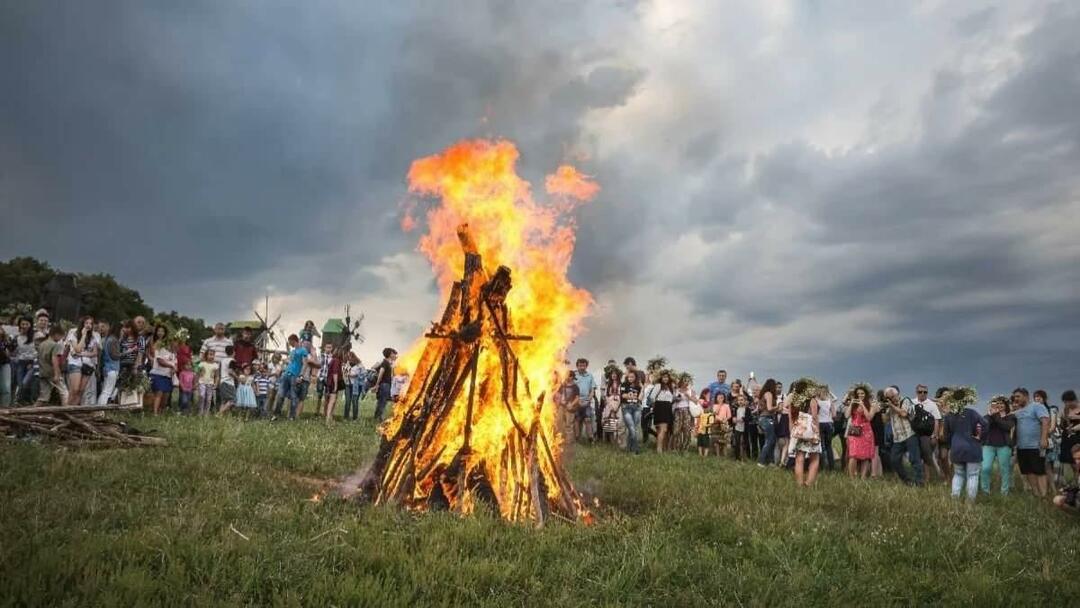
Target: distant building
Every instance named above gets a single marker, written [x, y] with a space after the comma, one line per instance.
[334, 332]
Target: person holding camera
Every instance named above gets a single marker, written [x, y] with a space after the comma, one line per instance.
[904, 437]
[997, 444]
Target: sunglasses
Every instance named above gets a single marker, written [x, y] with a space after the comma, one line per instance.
[921, 392]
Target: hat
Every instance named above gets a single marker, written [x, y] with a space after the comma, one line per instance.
[41, 312]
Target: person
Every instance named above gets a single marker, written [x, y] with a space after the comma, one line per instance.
[720, 386]
[720, 433]
[186, 380]
[1053, 449]
[261, 383]
[611, 415]
[682, 425]
[7, 350]
[825, 401]
[882, 447]
[904, 438]
[143, 337]
[384, 377]
[245, 391]
[1032, 439]
[209, 372]
[182, 349]
[963, 430]
[332, 383]
[310, 370]
[82, 345]
[228, 376]
[663, 413]
[997, 444]
[1066, 500]
[25, 355]
[1070, 427]
[703, 425]
[309, 333]
[742, 410]
[767, 409]
[928, 443]
[164, 367]
[399, 385]
[942, 456]
[567, 399]
[583, 425]
[217, 343]
[860, 433]
[290, 377]
[129, 351]
[782, 429]
[110, 361]
[50, 354]
[806, 437]
[355, 384]
[273, 369]
[749, 436]
[630, 405]
[244, 348]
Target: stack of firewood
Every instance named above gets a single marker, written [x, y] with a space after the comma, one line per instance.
[74, 424]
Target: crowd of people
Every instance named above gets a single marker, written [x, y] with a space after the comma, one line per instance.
[865, 434]
[98, 363]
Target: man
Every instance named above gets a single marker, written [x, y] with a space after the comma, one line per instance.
[568, 400]
[244, 349]
[384, 379]
[904, 438]
[289, 377]
[928, 444]
[216, 342]
[145, 335]
[720, 386]
[586, 384]
[308, 374]
[1032, 439]
[49, 353]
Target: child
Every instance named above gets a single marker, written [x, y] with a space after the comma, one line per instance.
[187, 386]
[720, 433]
[331, 383]
[741, 411]
[612, 418]
[325, 357]
[50, 352]
[703, 426]
[208, 381]
[262, 383]
[245, 393]
[398, 385]
[227, 381]
[1067, 499]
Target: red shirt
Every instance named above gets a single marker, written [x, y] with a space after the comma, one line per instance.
[183, 355]
[244, 353]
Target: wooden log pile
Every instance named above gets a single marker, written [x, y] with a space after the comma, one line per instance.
[468, 377]
[75, 425]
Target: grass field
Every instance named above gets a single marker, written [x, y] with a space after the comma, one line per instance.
[163, 527]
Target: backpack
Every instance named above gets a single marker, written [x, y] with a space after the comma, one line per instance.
[922, 421]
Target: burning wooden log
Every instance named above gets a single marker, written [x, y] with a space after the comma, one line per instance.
[75, 424]
[468, 433]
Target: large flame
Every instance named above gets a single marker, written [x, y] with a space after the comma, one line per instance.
[476, 183]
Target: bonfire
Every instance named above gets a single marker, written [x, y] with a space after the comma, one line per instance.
[475, 429]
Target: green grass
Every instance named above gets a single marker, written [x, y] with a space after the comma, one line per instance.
[155, 526]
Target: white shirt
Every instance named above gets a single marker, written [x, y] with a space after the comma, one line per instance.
[824, 411]
[95, 344]
[223, 369]
[165, 355]
[930, 406]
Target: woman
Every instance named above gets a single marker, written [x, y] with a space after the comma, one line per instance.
[782, 429]
[877, 423]
[963, 430]
[7, 351]
[720, 433]
[861, 448]
[806, 435]
[997, 444]
[25, 354]
[682, 432]
[766, 420]
[163, 368]
[83, 345]
[825, 400]
[611, 417]
[942, 445]
[110, 361]
[630, 403]
[663, 413]
[355, 375]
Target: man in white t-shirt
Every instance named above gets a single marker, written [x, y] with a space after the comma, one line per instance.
[928, 445]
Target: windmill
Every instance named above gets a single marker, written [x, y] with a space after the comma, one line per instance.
[352, 328]
[266, 335]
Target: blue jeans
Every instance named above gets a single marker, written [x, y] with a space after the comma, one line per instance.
[352, 400]
[382, 397]
[966, 474]
[914, 453]
[1003, 455]
[22, 381]
[826, 444]
[631, 417]
[286, 388]
[5, 384]
[260, 402]
[767, 426]
[185, 401]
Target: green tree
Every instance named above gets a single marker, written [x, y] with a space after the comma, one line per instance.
[103, 297]
[23, 280]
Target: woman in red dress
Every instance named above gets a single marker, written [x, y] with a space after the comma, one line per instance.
[860, 435]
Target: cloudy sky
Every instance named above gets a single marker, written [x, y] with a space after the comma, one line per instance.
[885, 191]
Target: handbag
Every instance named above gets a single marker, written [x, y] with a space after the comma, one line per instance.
[854, 430]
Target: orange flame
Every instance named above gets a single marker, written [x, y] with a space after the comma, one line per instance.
[477, 184]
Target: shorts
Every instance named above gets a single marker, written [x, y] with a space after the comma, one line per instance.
[160, 384]
[703, 440]
[1032, 462]
[46, 387]
[585, 413]
[226, 393]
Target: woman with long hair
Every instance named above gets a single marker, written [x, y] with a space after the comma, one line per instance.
[25, 354]
[163, 367]
[805, 434]
[997, 444]
[861, 447]
[83, 344]
[663, 412]
[766, 417]
[630, 403]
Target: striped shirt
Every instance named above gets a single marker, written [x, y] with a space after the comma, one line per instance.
[262, 384]
[215, 344]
